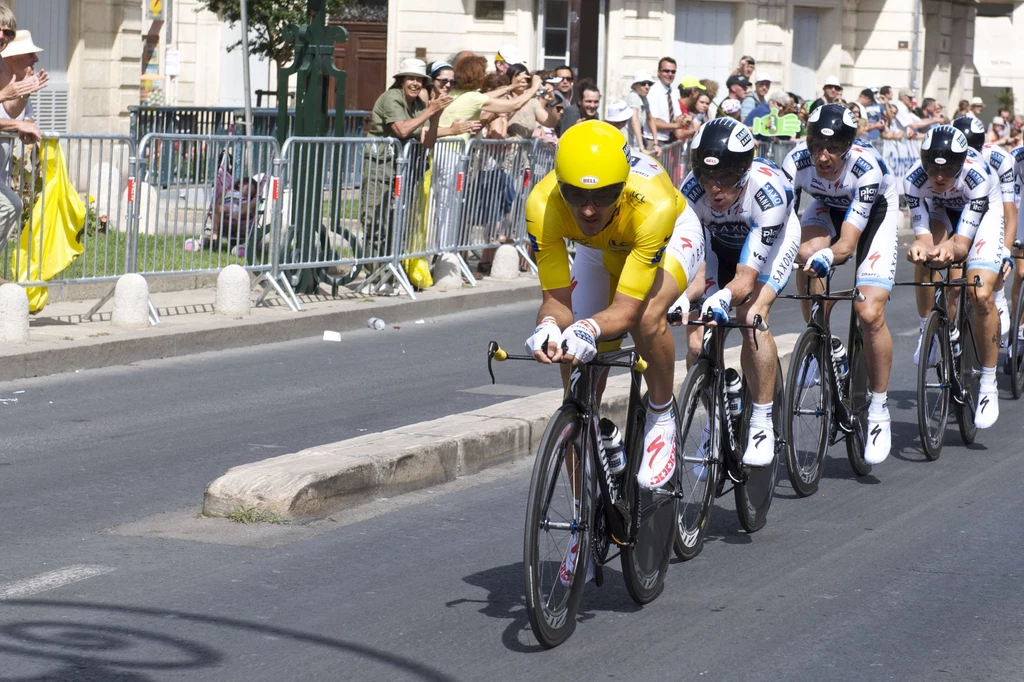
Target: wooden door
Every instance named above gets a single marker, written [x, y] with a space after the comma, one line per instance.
[364, 59]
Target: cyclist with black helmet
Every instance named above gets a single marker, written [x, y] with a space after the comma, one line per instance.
[1001, 167]
[949, 193]
[637, 246]
[751, 235]
[853, 211]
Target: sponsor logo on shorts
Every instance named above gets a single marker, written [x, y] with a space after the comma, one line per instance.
[978, 245]
[874, 259]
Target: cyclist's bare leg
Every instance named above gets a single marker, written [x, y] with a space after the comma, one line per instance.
[814, 238]
[654, 341]
[986, 317]
[877, 339]
[759, 364]
[694, 335]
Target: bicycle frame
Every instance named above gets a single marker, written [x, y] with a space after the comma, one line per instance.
[940, 306]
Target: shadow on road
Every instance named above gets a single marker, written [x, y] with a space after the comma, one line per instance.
[84, 651]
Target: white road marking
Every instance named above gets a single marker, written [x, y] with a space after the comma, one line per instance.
[51, 581]
[507, 389]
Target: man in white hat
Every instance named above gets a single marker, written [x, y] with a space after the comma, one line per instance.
[831, 93]
[758, 97]
[977, 106]
[506, 56]
[637, 99]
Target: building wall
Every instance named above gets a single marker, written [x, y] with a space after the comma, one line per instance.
[639, 32]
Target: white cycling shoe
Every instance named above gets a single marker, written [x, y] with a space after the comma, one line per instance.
[760, 446]
[566, 572]
[987, 411]
[879, 437]
[659, 455]
[933, 352]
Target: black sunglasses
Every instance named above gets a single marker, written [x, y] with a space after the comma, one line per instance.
[10, 34]
[832, 147]
[603, 197]
[729, 178]
[668, 70]
[444, 82]
[946, 170]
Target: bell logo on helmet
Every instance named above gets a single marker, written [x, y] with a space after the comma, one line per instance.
[828, 132]
[710, 161]
[589, 180]
[939, 161]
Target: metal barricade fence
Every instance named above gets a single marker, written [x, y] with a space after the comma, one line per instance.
[201, 223]
[332, 228]
[494, 200]
[420, 230]
[32, 228]
[776, 150]
[448, 166]
[542, 162]
[673, 158]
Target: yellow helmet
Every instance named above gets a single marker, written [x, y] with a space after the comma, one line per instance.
[592, 155]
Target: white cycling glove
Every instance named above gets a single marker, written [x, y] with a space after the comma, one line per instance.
[546, 332]
[681, 306]
[580, 340]
[716, 306]
[821, 262]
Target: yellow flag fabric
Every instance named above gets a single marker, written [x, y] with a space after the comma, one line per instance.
[48, 242]
[418, 269]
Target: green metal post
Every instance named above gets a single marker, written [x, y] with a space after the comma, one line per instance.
[313, 65]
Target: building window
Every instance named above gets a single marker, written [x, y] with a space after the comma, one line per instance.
[556, 33]
[489, 10]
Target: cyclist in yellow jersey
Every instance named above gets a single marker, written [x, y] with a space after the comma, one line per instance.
[637, 246]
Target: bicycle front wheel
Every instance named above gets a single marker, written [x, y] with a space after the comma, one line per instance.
[755, 493]
[933, 385]
[807, 416]
[969, 370]
[697, 459]
[857, 392]
[645, 564]
[557, 538]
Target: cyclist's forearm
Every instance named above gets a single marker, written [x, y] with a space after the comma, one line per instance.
[742, 284]
[620, 317]
[553, 306]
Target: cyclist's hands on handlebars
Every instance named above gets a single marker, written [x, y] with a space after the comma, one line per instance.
[716, 307]
[545, 343]
[1007, 262]
[943, 254]
[918, 252]
[820, 263]
[579, 342]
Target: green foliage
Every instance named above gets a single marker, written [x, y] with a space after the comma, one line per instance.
[1006, 99]
[268, 20]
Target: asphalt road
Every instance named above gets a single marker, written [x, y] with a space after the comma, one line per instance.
[910, 573]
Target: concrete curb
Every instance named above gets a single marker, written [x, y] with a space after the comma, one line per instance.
[212, 333]
[317, 482]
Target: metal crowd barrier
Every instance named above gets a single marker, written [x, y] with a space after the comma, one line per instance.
[100, 168]
[420, 202]
[206, 220]
[333, 228]
[673, 158]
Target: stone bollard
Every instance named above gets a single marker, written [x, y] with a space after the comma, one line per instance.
[506, 263]
[131, 302]
[447, 275]
[13, 314]
[233, 287]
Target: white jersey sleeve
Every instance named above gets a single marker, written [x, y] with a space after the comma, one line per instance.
[1002, 165]
[771, 204]
[869, 185]
[917, 191]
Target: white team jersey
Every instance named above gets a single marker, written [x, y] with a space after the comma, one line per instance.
[752, 224]
[865, 186]
[1000, 162]
[1018, 169]
[965, 203]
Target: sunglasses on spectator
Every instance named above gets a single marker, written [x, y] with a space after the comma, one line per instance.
[668, 70]
[9, 33]
[603, 197]
[445, 82]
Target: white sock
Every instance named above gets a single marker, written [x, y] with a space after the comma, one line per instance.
[921, 321]
[761, 414]
[878, 402]
[1000, 297]
[658, 409]
[988, 377]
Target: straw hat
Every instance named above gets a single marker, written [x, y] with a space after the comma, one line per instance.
[22, 44]
[415, 68]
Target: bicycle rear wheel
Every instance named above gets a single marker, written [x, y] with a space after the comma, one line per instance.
[1016, 350]
[857, 391]
[755, 494]
[807, 416]
[970, 378]
[554, 525]
[645, 564]
[933, 385]
[699, 467]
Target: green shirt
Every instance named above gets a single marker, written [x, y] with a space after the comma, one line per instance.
[391, 107]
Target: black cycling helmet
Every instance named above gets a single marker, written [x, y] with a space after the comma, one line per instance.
[723, 150]
[944, 148]
[831, 126]
[973, 130]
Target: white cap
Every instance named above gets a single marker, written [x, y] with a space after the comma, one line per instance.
[510, 54]
[731, 106]
[618, 111]
[642, 77]
[977, 100]
[763, 76]
[833, 81]
[998, 121]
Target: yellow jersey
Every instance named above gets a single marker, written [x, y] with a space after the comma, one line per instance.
[633, 242]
